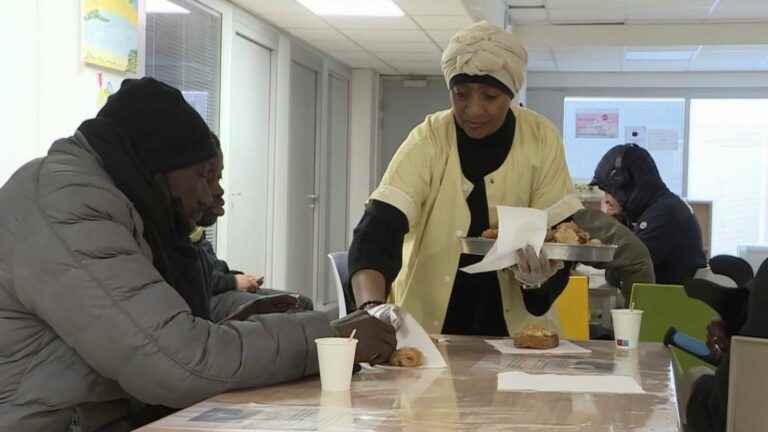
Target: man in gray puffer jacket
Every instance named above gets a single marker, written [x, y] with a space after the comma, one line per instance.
[99, 294]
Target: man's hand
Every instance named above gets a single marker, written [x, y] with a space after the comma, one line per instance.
[376, 340]
[532, 270]
[286, 303]
[718, 340]
[248, 283]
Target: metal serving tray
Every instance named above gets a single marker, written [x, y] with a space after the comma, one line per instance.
[555, 251]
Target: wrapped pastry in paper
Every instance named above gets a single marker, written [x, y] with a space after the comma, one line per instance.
[412, 334]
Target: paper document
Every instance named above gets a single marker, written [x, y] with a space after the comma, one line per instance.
[521, 381]
[220, 417]
[412, 334]
[518, 227]
[507, 346]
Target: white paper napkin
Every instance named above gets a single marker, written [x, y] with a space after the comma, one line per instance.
[521, 381]
[507, 346]
[518, 227]
[412, 334]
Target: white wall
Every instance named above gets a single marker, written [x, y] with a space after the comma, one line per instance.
[363, 131]
[402, 108]
[547, 91]
[48, 90]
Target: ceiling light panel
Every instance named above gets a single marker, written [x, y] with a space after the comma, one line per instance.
[164, 7]
[352, 7]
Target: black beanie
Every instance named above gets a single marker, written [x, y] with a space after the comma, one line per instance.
[488, 80]
[165, 131]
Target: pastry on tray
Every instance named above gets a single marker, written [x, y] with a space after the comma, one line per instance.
[535, 336]
[568, 233]
[565, 233]
[407, 357]
[490, 233]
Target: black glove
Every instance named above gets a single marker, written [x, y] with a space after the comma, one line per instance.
[266, 305]
[376, 340]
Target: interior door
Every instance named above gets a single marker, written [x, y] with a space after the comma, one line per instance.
[302, 191]
[338, 180]
[246, 163]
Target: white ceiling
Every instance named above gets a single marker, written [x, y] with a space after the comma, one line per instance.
[561, 35]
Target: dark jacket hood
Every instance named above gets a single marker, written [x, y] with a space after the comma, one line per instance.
[642, 183]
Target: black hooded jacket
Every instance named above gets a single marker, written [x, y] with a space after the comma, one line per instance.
[744, 310]
[658, 217]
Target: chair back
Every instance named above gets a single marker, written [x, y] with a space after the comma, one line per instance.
[733, 267]
[573, 307]
[664, 306]
[747, 381]
[341, 276]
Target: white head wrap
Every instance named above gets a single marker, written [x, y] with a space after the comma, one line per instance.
[485, 49]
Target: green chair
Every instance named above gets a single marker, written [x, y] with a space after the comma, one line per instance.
[664, 306]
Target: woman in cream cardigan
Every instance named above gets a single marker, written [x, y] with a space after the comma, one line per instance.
[445, 182]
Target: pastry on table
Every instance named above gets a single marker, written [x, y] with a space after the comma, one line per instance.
[535, 336]
[407, 357]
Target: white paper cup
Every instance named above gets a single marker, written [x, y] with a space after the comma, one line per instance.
[336, 357]
[626, 327]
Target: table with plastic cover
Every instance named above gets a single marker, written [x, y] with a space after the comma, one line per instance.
[464, 396]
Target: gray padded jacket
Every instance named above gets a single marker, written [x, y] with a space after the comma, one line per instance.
[85, 318]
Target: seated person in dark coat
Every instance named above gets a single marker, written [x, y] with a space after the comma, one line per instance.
[657, 216]
[743, 312]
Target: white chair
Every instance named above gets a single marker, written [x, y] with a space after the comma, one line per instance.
[748, 379]
[341, 276]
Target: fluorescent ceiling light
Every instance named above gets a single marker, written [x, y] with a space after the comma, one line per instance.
[676, 55]
[163, 7]
[353, 7]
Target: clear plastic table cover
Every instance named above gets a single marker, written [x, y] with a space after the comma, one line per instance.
[462, 397]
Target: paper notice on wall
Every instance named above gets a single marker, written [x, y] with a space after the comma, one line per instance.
[635, 135]
[597, 123]
[663, 139]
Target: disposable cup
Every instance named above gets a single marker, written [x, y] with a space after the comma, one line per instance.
[336, 357]
[626, 327]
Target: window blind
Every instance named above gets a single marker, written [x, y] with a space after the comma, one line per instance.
[183, 49]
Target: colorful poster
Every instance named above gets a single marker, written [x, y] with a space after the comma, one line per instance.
[111, 34]
[597, 123]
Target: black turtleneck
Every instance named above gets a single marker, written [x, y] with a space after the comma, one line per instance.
[475, 307]
[475, 304]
